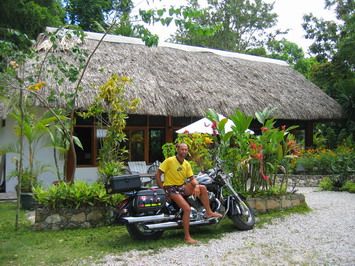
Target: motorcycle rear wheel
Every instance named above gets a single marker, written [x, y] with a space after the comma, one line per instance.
[138, 232]
[245, 221]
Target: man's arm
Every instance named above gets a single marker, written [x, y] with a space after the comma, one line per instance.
[196, 188]
[158, 178]
[193, 181]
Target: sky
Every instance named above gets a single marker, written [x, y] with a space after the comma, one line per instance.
[290, 16]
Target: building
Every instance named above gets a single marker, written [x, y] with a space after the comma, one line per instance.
[176, 84]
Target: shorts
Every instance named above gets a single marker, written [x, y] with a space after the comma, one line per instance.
[174, 190]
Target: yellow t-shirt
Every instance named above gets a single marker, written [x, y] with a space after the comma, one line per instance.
[175, 172]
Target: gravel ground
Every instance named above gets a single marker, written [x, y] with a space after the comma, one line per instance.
[326, 236]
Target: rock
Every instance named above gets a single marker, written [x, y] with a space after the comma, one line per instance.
[95, 215]
[78, 218]
[53, 219]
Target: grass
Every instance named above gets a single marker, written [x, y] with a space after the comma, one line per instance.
[267, 218]
[68, 247]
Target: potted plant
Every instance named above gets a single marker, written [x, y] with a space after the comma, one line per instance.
[109, 169]
[27, 182]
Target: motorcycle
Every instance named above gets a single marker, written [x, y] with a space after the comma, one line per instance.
[147, 213]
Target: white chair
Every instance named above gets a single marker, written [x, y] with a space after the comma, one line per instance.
[137, 167]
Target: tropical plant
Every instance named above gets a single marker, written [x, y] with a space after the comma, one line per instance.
[169, 149]
[110, 109]
[255, 161]
[110, 168]
[34, 127]
[199, 145]
[79, 194]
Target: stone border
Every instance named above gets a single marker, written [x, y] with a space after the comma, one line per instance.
[303, 180]
[85, 217]
[265, 204]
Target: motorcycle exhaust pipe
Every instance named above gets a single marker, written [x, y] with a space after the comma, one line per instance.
[151, 218]
[167, 225]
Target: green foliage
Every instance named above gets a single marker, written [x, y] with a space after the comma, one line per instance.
[30, 16]
[110, 108]
[76, 195]
[285, 50]
[348, 186]
[333, 48]
[169, 150]
[88, 14]
[326, 183]
[110, 168]
[200, 156]
[237, 25]
[340, 161]
[255, 160]
[35, 128]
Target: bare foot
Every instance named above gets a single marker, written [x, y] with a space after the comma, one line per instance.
[214, 215]
[191, 241]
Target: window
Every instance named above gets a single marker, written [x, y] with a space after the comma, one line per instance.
[85, 156]
[145, 137]
[156, 141]
[136, 145]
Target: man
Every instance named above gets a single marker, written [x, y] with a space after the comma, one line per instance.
[176, 171]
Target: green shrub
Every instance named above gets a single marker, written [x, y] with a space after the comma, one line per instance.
[79, 194]
[349, 186]
[326, 183]
[110, 168]
[326, 162]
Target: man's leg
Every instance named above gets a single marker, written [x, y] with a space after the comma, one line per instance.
[182, 203]
[206, 203]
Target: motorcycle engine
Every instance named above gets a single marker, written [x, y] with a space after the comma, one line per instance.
[197, 209]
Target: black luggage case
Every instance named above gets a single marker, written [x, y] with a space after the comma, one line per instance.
[123, 183]
[150, 200]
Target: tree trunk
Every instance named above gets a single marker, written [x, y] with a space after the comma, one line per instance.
[70, 163]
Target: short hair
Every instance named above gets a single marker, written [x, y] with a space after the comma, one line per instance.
[177, 145]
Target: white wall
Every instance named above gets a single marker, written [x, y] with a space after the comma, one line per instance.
[44, 155]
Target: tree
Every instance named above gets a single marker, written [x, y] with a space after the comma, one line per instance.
[30, 16]
[237, 25]
[333, 48]
[94, 15]
[285, 50]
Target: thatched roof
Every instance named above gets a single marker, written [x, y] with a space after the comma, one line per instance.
[180, 80]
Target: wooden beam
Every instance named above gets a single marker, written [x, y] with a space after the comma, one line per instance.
[308, 143]
[169, 129]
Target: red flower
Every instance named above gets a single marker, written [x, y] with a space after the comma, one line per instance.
[259, 156]
[253, 146]
[265, 177]
[214, 125]
[264, 129]
[291, 143]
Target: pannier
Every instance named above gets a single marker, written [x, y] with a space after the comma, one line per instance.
[150, 200]
[123, 183]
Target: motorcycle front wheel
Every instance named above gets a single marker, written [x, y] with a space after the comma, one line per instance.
[245, 220]
[138, 232]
